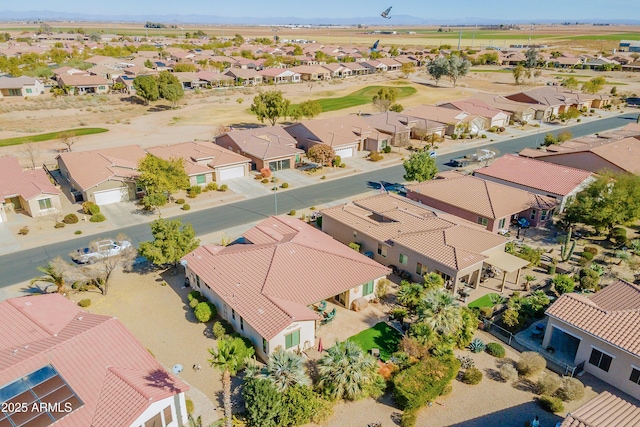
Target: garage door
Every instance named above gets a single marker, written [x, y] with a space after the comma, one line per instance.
[111, 196]
[344, 152]
[229, 173]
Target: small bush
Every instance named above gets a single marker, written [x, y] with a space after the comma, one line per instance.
[587, 255]
[285, 185]
[454, 136]
[77, 232]
[551, 269]
[501, 129]
[337, 161]
[496, 350]
[591, 250]
[205, 311]
[23, 231]
[218, 330]
[97, 217]
[59, 225]
[551, 404]
[342, 165]
[194, 295]
[409, 418]
[386, 149]
[484, 136]
[472, 376]
[86, 207]
[190, 406]
[70, 219]
[493, 129]
[84, 302]
[486, 312]
[193, 303]
[508, 372]
[477, 345]
[265, 181]
[94, 209]
[180, 201]
[446, 390]
[466, 362]
[548, 384]
[223, 187]
[619, 235]
[375, 156]
[323, 177]
[423, 382]
[530, 363]
[292, 212]
[212, 186]
[186, 207]
[570, 389]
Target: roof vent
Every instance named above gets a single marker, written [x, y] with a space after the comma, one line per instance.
[15, 352]
[80, 317]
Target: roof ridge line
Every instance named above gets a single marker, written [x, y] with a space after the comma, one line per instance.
[486, 187]
[114, 369]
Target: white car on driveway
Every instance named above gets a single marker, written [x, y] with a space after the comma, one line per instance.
[99, 250]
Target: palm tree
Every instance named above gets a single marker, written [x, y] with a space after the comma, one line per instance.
[433, 281]
[286, 369]
[230, 357]
[527, 281]
[346, 371]
[440, 310]
[410, 294]
[53, 274]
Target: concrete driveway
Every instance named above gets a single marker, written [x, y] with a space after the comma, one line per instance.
[248, 187]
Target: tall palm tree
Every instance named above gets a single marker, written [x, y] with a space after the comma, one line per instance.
[410, 294]
[53, 274]
[286, 369]
[230, 357]
[345, 371]
[440, 310]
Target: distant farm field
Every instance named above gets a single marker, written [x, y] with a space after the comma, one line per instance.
[360, 97]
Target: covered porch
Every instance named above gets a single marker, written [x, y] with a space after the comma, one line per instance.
[507, 264]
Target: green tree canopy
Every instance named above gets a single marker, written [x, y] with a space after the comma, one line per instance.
[385, 97]
[162, 176]
[322, 154]
[420, 166]
[262, 402]
[594, 85]
[146, 88]
[308, 109]
[407, 69]
[438, 68]
[571, 113]
[458, 67]
[518, 74]
[570, 83]
[171, 241]
[169, 87]
[532, 57]
[270, 105]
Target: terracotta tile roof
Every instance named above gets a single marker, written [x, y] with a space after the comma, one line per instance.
[605, 410]
[478, 108]
[287, 266]
[265, 143]
[502, 103]
[556, 95]
[438, 114]
[544, 176]
[28, 184]
[198, 158]
[111, 372]
[484, 198]
[16, 82]
[91, 168]
[441, 237]
[334, 131]
[612, 314]
[390, 122]
[83, 80]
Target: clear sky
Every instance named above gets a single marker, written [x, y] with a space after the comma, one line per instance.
[503, 10]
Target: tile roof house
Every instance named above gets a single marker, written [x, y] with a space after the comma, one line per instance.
[29, 190]
[204, 163]
[542, 178]
[604, 410]
[20, 86]
[415, 239]
[557, 100]
[455, 121]
[397, 126]
[90, 365]
[103, 176]
[244, 77]
[267, 147]
[520, 111]
[345, 134]
[599, 332]
[265, 286]
[476, 107]
[279, 75]
[312, 72]
[82, 84]
[487, 203]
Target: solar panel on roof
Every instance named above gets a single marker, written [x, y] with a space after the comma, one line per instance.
[37, 400]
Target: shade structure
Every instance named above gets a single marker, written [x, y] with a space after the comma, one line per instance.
[507, 263]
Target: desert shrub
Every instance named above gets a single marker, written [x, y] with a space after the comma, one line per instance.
[355, 246]
[223, 187]
[548, 384]
[97, 217]
[84, 302]
[454, 136]
[493, 129]
[477, 345]
[551, 269]
[193, 191]
[483, 136]
[194, 295]
[337, 161]
[501, 129]
[495, 349]
[398, 313]
[265, 181]
[70, 218]
[212, 186]
[180, 201]
[512, 318]
[23, 231]
[619, 235]
[508, 372]
[447, 390]
[587, 255]
[205, 311]
[424, 381]
[563, 283]
[285, 185]
[472, 376]
[59, 225]
[190, 406]
[530, 363]
[570, 389]
[77, 232]
[86, 207]
[486, 312]
[186, 207]
[194, 303]
[386, 149]
[551, 404]
[94, 209]
[375, 156]
[265, 172]
[218, 330]
[409, 418]
[588, 278]
[591, 250]
[466, 362]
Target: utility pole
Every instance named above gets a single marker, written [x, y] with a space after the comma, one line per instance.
[459, 40]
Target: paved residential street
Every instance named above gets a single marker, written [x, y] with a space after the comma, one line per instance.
[20, 266]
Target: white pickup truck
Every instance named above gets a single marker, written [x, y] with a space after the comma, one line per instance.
[101, 249]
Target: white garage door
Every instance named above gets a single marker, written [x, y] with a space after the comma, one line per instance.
[111, 196]
[344, 152]
[233, 172]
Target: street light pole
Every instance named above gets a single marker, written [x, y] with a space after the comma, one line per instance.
[275, 189]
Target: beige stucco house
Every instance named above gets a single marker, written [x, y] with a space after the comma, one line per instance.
[20, 86]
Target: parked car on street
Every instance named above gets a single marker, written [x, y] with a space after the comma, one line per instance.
[101, 249]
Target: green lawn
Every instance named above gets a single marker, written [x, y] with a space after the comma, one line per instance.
[49, 136]
[359, 97]
[381, 336]
[483, 301]
[474, 70]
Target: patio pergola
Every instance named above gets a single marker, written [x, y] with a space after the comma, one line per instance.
[508, 264]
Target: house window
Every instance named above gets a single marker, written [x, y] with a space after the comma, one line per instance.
[420, 268]
[201, 179]
[533, 214]
[168, 415]
[44, 204]
[241, 323]
[543, 215]
[264, 345]
[367, 289]
[501, 223]
[600, 359]
[635, 375]
[197, 280]
[382, 250]
[483, 221]
[403, 259]
[292, 339]
[29, 91]
[233, 314]
[100, 87]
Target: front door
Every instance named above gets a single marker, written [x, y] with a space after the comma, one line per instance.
[15, 201]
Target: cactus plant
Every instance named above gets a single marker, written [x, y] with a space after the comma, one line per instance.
[564, 254]
[476, 345]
